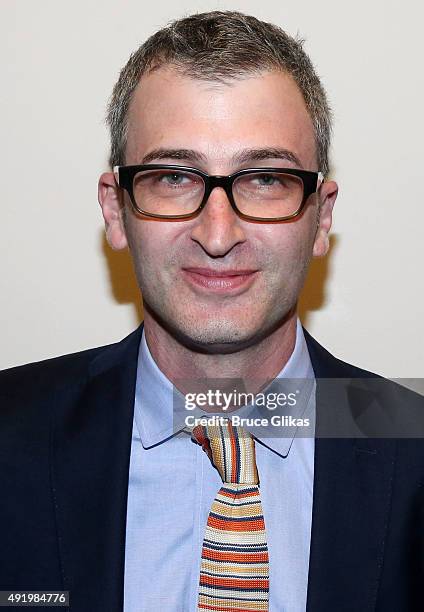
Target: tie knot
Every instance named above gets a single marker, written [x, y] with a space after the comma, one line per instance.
[231, 450]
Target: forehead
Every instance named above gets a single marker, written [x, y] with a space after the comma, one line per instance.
[170, 110]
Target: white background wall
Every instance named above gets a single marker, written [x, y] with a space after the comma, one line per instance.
[63, 290]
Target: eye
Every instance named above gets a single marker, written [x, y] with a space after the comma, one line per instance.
[267, 180]
[175, 178]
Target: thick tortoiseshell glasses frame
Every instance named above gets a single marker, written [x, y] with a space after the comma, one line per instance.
[124, 176]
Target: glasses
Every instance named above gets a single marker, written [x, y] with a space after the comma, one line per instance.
[166, 191]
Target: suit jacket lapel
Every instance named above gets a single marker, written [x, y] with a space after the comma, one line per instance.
[91, 444]
[351, 500]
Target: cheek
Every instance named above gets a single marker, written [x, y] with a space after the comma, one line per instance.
[143, 249]
[153, 248]
[289, 255]
[290, 244]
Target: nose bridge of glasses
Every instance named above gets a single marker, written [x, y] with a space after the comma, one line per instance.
[225, 182]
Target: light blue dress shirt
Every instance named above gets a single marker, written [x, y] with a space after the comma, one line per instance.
[172, 485]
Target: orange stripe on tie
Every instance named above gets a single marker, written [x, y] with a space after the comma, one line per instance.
[229, 525]
[242, 557]
[233, 582]
[238, 495]
[233, 608]
[233, 454]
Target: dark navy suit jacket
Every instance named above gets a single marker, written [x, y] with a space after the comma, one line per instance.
[65, 438]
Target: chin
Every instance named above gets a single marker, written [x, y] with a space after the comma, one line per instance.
[212, 331]
[218, 335]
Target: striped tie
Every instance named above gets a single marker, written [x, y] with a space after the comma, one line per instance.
[234, 572]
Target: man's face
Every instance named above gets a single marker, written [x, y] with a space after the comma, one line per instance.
[216, 281]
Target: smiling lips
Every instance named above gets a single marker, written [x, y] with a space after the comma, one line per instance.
[220, 281]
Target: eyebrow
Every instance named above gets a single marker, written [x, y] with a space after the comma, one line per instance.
[246, 155]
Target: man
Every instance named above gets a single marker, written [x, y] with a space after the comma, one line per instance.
[103, 495]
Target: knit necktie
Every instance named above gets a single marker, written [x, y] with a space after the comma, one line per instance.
[234, 572]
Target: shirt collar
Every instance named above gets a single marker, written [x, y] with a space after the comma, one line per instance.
[159, 412]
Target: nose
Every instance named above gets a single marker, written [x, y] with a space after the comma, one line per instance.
[218, 228]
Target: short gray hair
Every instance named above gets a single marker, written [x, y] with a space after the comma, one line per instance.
[219, 46]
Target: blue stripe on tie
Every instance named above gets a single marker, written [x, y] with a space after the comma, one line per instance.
[236, 547]
[241, 577]
[248, 503]
[221, 517]
[233, 588]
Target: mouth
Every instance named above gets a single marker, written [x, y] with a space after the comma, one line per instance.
[220, 281]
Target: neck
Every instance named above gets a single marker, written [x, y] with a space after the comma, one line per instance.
[256, 364]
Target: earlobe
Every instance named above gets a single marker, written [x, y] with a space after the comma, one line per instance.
[112, 210]
[327, 195]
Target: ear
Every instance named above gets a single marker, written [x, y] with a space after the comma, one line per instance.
[327, 195]
[112, 208]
